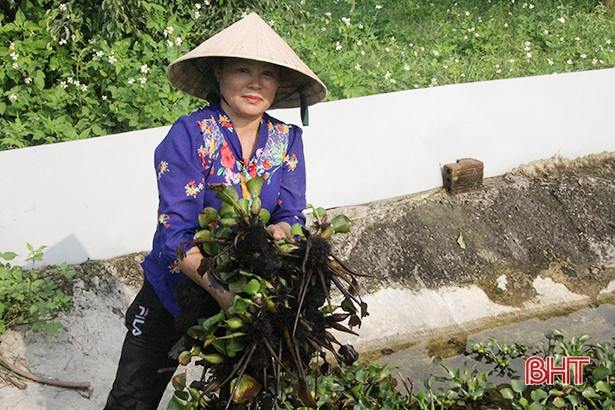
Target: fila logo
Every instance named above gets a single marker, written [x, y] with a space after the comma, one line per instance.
[139, 319]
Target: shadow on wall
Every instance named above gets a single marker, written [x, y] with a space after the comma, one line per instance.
[68, 249]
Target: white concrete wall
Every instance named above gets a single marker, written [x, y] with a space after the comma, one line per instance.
[97, 198]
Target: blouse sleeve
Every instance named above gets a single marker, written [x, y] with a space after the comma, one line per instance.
[181, 185]
[291, 200]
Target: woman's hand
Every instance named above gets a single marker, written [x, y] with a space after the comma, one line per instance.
[190, 265]
[279, 230]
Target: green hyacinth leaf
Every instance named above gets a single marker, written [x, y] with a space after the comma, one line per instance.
[341, 223]
[297, 230]
[227, 194]
[264, 216]
[207, 216]
[255, 185]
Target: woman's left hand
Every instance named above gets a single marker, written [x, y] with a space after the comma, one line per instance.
[279, 230]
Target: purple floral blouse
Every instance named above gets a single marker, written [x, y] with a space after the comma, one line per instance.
[203, 148]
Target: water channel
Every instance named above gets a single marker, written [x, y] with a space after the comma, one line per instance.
[414, 363]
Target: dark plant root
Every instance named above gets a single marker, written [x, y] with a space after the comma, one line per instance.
[279, 341]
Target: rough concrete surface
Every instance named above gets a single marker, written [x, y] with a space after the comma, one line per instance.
[539, 240]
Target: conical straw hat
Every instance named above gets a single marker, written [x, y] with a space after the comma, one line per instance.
[249, 38]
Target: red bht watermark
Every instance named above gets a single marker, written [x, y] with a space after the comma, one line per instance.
[543, 371]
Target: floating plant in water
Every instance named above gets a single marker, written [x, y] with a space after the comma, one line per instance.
[256, 354]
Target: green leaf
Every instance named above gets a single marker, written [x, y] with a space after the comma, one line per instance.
[8, 256]
[538, 395]
[20, 18]
[603, 386]
[507, 393]
[601, 373]
[518, 385]
[252, 287]
[254, 185]
[341, 223]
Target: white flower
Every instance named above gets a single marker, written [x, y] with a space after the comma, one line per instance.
[346, 20]
[14, 55]
[594, 61]
[393, 80]
[360, 26]
[77, 84]
[63, 85]
[13, 97]
[561, 20]
[378, 6]
[531, 6]
[550, 61]
[197, 5]
[406, 67]
[583, 56]
[436, 53]
[27, 80]
[207, 3]
[546, 32]
[387, 50]
[168, 31]
[84, 88]
[338, 46]
[197, 14]
[528, 55]
[62, 6]
[328, 14]
[143, 80]
[104, 98]
[169, 43]
[505, 24]
[569, 62]
[112, 59]
[467, 13]
[362, 52]
[178, 41]
[100, 53]
[62, 42]
[608, 41]
[359, 43]
[12, 46]
[271, 22]
[358, 67]
[131, 80]
[323, 29]
[70, 80]
[387, 75]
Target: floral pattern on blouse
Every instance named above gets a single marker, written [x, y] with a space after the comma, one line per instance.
[203, 148]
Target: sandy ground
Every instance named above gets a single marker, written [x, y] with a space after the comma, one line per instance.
[86, 350]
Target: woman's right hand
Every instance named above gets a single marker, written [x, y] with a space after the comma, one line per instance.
[190, 266]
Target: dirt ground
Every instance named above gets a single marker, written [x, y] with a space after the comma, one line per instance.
[553, 218]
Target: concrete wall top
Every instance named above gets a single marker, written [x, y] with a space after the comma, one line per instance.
[96, 198]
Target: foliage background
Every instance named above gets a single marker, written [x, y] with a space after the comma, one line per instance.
[78, 69]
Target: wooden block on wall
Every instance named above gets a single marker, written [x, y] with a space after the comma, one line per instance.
[463, 176]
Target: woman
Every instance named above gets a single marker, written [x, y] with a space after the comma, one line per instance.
[242, 71]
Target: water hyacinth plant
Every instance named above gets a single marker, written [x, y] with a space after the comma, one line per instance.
[257, 352]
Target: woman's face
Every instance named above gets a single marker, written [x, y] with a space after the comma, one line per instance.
[248, 86]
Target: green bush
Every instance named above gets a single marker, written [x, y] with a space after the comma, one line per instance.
[29, 297]
[80, 69]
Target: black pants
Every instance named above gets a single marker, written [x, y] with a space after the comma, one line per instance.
[144, 370]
